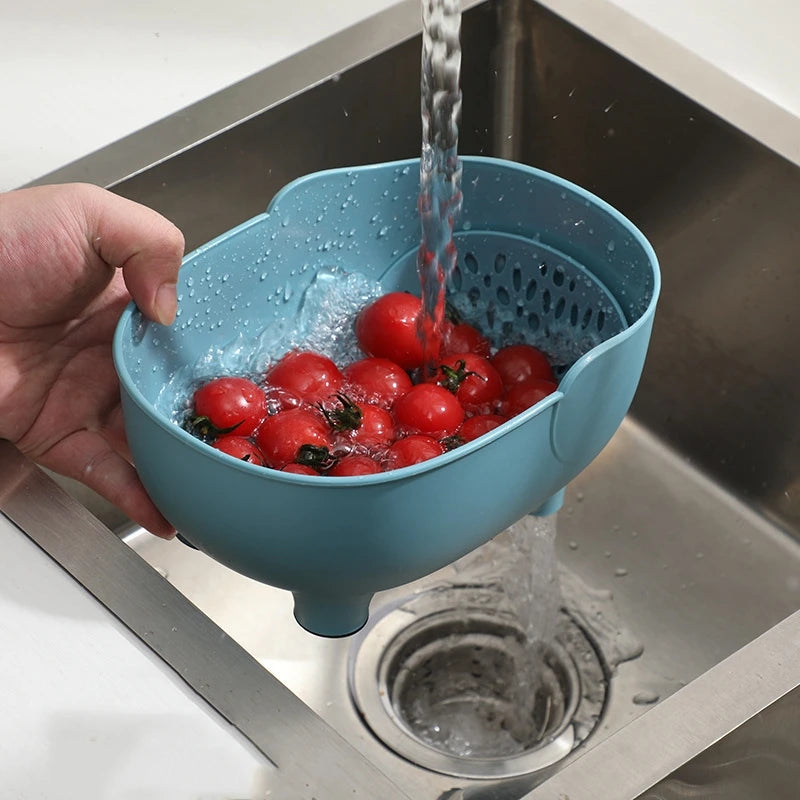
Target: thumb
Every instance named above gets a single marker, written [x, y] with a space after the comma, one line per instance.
[145, 245]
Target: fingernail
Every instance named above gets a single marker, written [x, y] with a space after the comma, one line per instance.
[166, 303]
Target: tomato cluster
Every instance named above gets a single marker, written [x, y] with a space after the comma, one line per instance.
[308, 416]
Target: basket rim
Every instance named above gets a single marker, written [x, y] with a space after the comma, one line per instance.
[132, 314]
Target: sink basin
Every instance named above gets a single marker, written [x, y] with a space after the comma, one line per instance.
[685, 528]
[670, 554]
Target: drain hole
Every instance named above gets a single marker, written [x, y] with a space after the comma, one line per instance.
[479, 693]
[449, 683]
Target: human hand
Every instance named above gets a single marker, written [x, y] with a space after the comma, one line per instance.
[71, 258]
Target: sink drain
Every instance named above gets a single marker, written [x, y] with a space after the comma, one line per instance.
[445, 679]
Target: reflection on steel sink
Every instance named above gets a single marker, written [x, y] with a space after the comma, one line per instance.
[673, 549]
[689, 517]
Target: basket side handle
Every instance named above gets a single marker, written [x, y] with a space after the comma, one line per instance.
[598, 392]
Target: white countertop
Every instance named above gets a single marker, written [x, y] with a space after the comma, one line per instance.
[87, 72]
[89, 711]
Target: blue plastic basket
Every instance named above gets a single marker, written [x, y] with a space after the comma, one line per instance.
[540, 260]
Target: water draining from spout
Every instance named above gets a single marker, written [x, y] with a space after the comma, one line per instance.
[521, 564]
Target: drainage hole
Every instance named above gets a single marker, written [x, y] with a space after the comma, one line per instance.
[481, 694]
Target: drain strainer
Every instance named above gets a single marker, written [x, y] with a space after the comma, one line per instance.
[445, 679]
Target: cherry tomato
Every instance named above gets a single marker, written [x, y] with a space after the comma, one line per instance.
[476, 426]
[279, 399]
[239, 447]
[429, 409]
[376, 431]
[517, 363]
[297, 434]
[387, 328]
[376, 380]
[228, 404]
[310, 376]
[526, 394]
[356, 464]
[410, 450]
[474, 381]
[363, 424]
[299, 469]
[464, 338]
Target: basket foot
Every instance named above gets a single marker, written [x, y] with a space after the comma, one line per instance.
[551, 505]
[331, 616]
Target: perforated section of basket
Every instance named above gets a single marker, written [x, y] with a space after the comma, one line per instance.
[517, 290]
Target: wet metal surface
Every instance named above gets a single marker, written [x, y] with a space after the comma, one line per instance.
[703, 575]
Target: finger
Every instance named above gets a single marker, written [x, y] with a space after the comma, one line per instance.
[88, 458]
[146, 245]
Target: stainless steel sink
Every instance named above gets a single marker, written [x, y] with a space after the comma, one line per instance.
[686, 526]
[692, 574]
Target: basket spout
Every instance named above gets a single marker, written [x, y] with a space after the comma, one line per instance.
[331, 615]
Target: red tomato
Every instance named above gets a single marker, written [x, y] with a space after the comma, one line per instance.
[524, 395]
[387, 328]
[476, 426]
[279, 399]
[473, 380]
[355, 464]
[299, 469]
[464, 338]
[239, 447]
[228, 404]
[376, 380]
[412, 449]
[310, 376]
[376, 430]
[429, 409]
[283, 436]
[519, 362]
[362, 424]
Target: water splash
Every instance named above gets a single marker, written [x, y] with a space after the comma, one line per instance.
[521, 562]
[324, 322]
